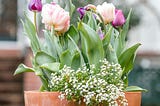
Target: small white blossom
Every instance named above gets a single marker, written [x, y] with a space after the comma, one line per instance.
[94, 84]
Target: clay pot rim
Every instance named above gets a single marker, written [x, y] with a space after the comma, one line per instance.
[58, 93]
[36, 91]
[135, 92]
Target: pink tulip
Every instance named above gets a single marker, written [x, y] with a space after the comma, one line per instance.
[119, 18]
[107, 11]
[55, 16]
[35, 5]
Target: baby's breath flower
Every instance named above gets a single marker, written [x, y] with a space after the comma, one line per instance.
[94, 84]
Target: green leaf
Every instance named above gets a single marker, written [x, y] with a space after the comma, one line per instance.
[72, 36]
[125, 28]
[48, 1]
[126, 59]
[45, 83]
[30, 31]
[76, 61]
[73, 32]
[42, 88]
[66, 58]
[92, 22]
[38, 71]
[90, 41]
[42, 58]
[134, 89]
[77, 49]
[51, 47]
[111, 54]
[107, 37]
[22, 68]
[53, 67]
[69, 7]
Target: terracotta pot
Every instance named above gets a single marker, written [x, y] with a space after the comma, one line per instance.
[133, 98]
[35, 98]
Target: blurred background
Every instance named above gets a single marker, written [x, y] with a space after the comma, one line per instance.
[14, 49]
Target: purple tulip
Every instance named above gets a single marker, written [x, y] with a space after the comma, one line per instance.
[81, 11]
[119, 19]
[35, 5]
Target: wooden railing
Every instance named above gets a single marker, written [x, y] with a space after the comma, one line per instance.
[11, 87]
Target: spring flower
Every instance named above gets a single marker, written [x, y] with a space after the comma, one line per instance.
[35, 5]
[90, 7]
[119, 18]
[81, 11]
[55, 16]
[107, 11]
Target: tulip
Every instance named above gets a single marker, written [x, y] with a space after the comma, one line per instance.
[90, 7]
[107, 12]
[119, 18]
[35, 5]
[81, 11]
[55, 16]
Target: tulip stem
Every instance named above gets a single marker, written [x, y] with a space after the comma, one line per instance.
[103, 24]
[35, 21]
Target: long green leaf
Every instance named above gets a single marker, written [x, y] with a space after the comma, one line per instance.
[69, 7]
[77, 49]
[72, 39]
[50, 44]
[107, 37]
[125, 28]
[45, 83]
[134, 89]
[42, 58]
[76, 61]
[30, 31]
[111, 54]
[73, 32]
[126, 58]
[90, 41]
[53, 67]
[66, 58]
[22, 68]
[92, 22]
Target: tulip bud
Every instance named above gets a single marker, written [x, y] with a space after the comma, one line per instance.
[90, 7]
[55, 16]
[81, 11]
[107, 12]
[119, 18]
[35, 5]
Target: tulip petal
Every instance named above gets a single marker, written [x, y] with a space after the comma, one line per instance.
[107, 11]
[119, 18]
[54, 15]
[35, 5]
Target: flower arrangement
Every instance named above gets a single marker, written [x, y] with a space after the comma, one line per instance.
[87, 63]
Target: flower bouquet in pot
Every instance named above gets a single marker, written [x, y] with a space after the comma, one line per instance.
[85, 64]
